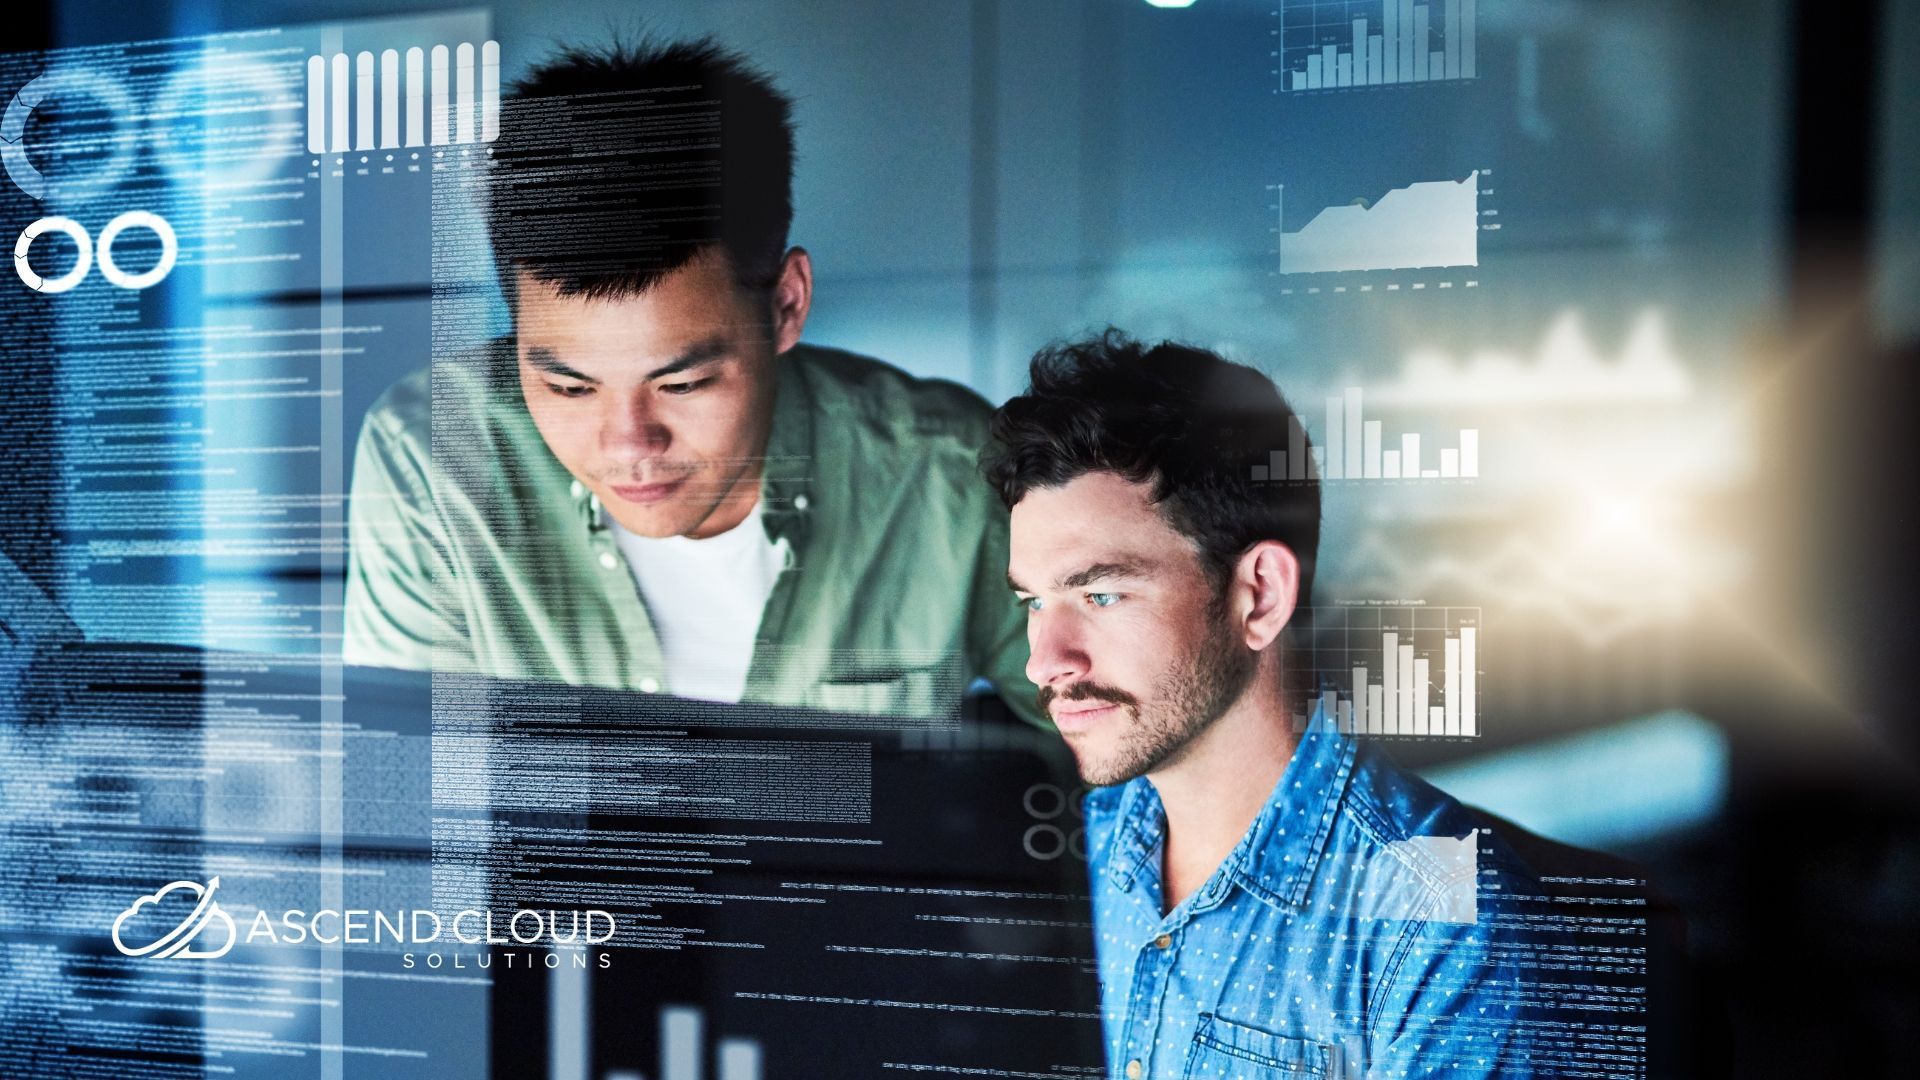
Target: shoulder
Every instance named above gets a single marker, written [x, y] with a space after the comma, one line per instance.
[1426, 853]
[464, 388]
[882, 400]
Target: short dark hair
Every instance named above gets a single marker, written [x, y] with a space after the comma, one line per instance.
[619, 164]
[1197, 427]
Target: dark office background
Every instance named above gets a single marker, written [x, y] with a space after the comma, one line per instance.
[979, 177]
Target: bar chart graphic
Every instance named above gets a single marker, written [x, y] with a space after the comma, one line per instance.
[448, 97]
[1387, 670]
[1425, 224]
[1331, 46]
[683, 1051]
[1353, 447]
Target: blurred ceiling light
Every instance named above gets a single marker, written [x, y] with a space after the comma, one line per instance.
[1170, 3]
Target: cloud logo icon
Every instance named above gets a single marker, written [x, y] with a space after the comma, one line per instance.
[178, 941]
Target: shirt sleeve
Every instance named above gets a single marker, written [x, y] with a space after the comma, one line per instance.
[399, 610]
[997, 629]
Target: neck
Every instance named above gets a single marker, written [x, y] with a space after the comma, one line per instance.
[1217, 785]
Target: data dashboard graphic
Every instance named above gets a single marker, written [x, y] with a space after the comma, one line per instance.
[1347, 43]
[1397, 669]
[450, 97]
[1353, 448]
[1431, 223]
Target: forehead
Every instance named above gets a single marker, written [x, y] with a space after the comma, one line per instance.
[1095, 517]
[698, 301]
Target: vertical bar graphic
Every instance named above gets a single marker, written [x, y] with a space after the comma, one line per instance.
[1469, 680]
[1376, 74]
[463, 97]
[1450, 686]
[389, 99]
[1297, 448]
[1452, 44]
[1336, 443]
[1423, 696]
[1406, 40]
[1390, 677]
[317, 104]
[1422, 43]
[739, 1059]
[1360, 52]
[416, 95]
[1469, 451]
[1376, 709]
[1372, 441]
[1314, 78]
[679, 1043]
[438, 105]
[1409, 691]
[1466, 39]
[1344, 65]
[363, 101]
[342, 80]
[1277, 464]
[1362, 721]
[1449, 462]
[1355, 466]
[490, 103]
[1390, 40]
[1410, 454]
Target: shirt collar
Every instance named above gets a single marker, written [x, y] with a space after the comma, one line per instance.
[1281, 850]
[786, 497]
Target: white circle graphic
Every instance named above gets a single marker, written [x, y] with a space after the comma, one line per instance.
[82, 263]
[169, 249]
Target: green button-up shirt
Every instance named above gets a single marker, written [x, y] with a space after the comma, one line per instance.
[473, 549]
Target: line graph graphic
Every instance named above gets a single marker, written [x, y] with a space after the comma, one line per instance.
[1424, 224]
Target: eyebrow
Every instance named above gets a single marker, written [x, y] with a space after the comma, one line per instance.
[704, 352]
[1100, 571]
[546, 361]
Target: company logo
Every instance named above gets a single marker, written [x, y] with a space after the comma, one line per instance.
[179, 940]
[154, 926]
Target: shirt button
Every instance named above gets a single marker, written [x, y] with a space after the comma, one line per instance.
[608, 560]
[1163, 941]
[650, 684]
[801, 502]
[1135, 1070]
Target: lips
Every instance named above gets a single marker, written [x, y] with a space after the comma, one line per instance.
[644, 494]
[1073, 717]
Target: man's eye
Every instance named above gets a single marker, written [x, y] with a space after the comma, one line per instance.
[1103, 599]
[1030, 603]
[683, 387]
[570, 389]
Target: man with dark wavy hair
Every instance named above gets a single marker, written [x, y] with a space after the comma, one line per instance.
[1267, 901]
[652, 484]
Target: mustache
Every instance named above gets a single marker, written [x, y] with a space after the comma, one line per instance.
[1087, 691]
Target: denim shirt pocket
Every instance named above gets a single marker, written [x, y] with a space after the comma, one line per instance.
[1224, 1049]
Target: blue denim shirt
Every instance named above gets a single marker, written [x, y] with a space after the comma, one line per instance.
[1352, 932]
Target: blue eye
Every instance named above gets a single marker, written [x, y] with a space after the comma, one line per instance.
[1103, 599]
[1030, 603]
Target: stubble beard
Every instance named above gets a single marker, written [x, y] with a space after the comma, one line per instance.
[1185, 702]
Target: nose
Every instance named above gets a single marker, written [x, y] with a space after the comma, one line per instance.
[632, 431]
[1056, 649]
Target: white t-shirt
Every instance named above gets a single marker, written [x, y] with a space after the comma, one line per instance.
[705, 598]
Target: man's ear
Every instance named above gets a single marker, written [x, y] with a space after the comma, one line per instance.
[792, 299]
[1266, 582]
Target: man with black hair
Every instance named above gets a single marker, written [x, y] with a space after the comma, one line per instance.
[1269, 899]
[651, 484]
